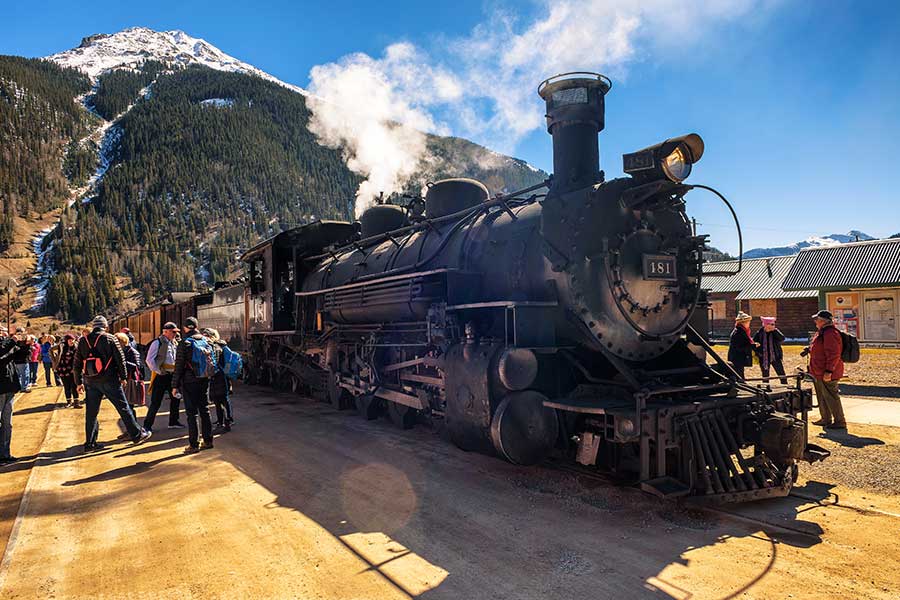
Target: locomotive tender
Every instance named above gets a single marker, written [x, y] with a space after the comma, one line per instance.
[529, 324]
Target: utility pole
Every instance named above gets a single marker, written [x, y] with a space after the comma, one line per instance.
[9, 283]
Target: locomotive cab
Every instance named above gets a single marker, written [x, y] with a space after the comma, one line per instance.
[276, 265]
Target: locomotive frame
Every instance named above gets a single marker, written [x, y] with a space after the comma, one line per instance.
[534, 323]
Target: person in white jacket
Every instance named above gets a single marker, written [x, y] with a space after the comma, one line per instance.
[161, 362]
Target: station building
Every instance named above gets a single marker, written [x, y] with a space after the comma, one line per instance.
[858, 282]
[757, 290]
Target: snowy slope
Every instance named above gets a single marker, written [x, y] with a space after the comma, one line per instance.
[128, 48]
[812, 242]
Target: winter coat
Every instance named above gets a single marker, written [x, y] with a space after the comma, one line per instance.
[9, 379]
[132, 362]
[106, 347]
[23, 353]
[184, 372]
[45, 352]
[740, 348]
[825, 353]
[219, 384]
[65, 366]
[775, 339]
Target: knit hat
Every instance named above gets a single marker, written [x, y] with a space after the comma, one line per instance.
[192, 323]
[741, 317]
[100, 321]
[767, 321]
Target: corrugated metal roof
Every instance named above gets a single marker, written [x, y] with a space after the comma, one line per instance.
[759, 278]
[848, 265]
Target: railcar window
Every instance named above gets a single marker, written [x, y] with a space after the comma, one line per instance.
[257, 276]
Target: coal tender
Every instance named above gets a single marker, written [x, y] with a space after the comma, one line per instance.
[566, 320]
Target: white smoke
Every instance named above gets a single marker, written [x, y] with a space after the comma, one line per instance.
[483, 85]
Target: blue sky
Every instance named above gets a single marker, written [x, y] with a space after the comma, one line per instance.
[798, 102]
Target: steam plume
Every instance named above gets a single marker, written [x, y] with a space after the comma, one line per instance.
[375, 110]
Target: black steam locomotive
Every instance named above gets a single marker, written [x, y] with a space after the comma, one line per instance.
[532, 324]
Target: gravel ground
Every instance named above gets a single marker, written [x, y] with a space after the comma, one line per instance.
[876, 376]
[867, 457]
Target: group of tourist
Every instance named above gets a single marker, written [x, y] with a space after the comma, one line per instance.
[98, 364]
[825, 364]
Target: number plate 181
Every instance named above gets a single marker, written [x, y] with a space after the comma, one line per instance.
[659, 266]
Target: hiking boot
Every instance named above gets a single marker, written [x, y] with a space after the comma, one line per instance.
[95, 447]
[191, 450]
[68, 403]
[77, 404]
[206, 446]
[143, 437]
[821, 423]
[123, 437]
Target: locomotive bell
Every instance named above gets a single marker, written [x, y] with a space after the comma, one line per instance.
[575, 115]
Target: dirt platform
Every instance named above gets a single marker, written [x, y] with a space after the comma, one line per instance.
[301, 501]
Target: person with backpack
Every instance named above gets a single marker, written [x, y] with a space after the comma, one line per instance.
[771, 356]
[827, 368]
[9, 385]
[195, 365]
[65, 368]
[220, 385]
[100, 371]
[161, 362]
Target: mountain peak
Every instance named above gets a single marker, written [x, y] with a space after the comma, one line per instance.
[811, 242]
[126, 49]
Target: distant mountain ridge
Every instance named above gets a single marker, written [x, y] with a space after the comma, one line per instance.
[833, 239]
[166, 159]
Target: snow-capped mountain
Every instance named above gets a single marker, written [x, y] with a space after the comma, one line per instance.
[812, 242]
[104, 52]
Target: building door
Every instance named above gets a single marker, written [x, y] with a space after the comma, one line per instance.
[879, 313]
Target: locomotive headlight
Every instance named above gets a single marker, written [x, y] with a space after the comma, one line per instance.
[677, 165]
[671, 159]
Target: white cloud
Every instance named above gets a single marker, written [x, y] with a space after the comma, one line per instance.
[482, 85]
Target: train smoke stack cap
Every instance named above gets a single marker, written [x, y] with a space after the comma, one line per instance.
[575, 115]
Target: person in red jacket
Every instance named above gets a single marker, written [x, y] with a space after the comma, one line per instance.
[827, 368]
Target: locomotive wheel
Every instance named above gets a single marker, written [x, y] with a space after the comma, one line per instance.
[368, 406]
[401, 415]
[523, 430]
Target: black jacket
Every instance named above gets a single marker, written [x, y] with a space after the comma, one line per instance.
[132, 362]
[184, 372]
[775, 339]
[219, 384]
[23, 353]
[9, 380]
[740, 348]
[105, 347]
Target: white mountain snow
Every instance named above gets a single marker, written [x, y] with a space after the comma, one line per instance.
[812, 242]
[103, 52]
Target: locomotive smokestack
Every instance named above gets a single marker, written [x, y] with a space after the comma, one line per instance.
[575, 110]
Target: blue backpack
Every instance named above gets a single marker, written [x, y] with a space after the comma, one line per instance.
[203, 358]
[232, 363]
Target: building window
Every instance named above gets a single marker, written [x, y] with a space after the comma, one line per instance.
[764, 308]
[718, 308]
